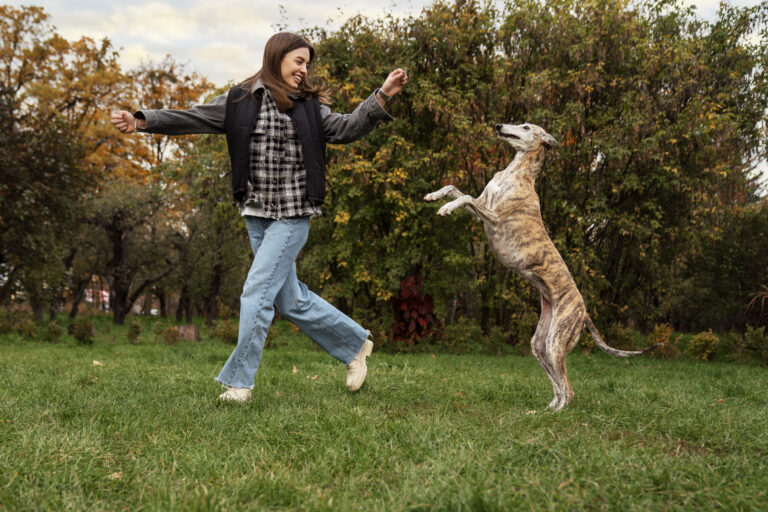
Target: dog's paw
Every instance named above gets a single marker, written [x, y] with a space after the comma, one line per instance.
[446, 209]
[431, 197]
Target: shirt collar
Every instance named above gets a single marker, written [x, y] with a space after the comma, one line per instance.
[258, 84]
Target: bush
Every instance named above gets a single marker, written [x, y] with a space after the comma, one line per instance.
[459, 337]
[756, 339]
[165, 333]
[170, 335]
[52, 332]
[25, 327]
[226, 331]
[6, 322]
[522, 328]
[496, 342]
[662, 333]
[619, 336]
[134, 330]
[83, 332]
[414, 312]
[703, 345]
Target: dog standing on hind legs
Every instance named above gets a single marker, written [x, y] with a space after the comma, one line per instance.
[510, 211]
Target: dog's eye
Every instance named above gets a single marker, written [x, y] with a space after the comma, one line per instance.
[526, 127]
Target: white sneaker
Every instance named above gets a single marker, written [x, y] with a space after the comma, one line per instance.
[235, 395]
[357, 369]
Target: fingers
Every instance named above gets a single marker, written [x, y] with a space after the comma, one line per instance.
[123, 121]
[400, 75]
[395, 82]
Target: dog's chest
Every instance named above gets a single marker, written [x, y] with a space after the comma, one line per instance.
[498, 189]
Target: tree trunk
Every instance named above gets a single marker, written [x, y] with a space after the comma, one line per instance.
[212, 299]
[78, 293]
[147, 309]
[38, 308]
[119, 303]
[182, 306]
[160, 294]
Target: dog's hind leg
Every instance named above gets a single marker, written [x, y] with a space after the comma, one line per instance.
[563, 335]
[539, 345]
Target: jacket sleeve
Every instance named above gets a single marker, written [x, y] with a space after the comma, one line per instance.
[343, 128]
[206, 118]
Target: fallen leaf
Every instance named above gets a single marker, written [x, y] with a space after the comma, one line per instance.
[295, 370]
[563, 484]
[314, 377]
[116, 476]
[434, 357]
[97, 363]
[277, 393]
[461, 394]
[584, 424]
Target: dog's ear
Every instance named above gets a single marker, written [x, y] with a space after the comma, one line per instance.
[548, 140]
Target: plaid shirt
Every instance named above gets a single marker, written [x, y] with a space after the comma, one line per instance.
[277, 182]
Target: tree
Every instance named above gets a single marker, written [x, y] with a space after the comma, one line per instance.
[53, 94]
[658, 114]
[132, 232]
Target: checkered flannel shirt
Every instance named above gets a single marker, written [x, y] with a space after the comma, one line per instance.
[277, 181]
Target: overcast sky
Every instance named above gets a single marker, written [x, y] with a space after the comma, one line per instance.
[222, 40]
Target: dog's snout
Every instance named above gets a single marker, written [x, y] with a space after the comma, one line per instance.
[498, 127]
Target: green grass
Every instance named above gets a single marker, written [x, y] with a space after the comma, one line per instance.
[145, 432]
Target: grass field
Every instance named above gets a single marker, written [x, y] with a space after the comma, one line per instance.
[144, 431]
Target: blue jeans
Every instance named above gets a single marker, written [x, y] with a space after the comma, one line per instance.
[272, 282]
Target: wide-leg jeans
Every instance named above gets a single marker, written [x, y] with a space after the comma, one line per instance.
[272, 282]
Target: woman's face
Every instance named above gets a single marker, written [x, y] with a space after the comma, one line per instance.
[293, 68]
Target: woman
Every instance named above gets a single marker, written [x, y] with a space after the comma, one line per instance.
[276, 132]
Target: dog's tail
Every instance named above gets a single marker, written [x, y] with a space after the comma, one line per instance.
[610, 350]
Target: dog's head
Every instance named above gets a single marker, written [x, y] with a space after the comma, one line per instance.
[525, 137]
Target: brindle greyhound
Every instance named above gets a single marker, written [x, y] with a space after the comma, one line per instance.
[509, 208]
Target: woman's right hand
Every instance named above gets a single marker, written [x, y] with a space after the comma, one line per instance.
[125, 122]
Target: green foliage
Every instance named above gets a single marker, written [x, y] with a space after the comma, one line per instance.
[650, 196]
[25, 327]
[635, 93]
[461, 337]
[52, 332]
[703, 345]
[756, 339]
[169, 335]
[134, 330]
[6, 321]
[724, 277]
[464, 337]
[226, 331]
[83, 332]
[663, 334]
[619, 336]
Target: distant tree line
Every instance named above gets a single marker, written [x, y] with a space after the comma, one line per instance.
[651, 197]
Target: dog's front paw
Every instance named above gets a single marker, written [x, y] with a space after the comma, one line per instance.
[432, 196]
[446, 209]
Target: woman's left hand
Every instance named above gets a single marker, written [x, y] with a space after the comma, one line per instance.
[395, 82]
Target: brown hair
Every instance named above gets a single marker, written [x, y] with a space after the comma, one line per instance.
[274, 51]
